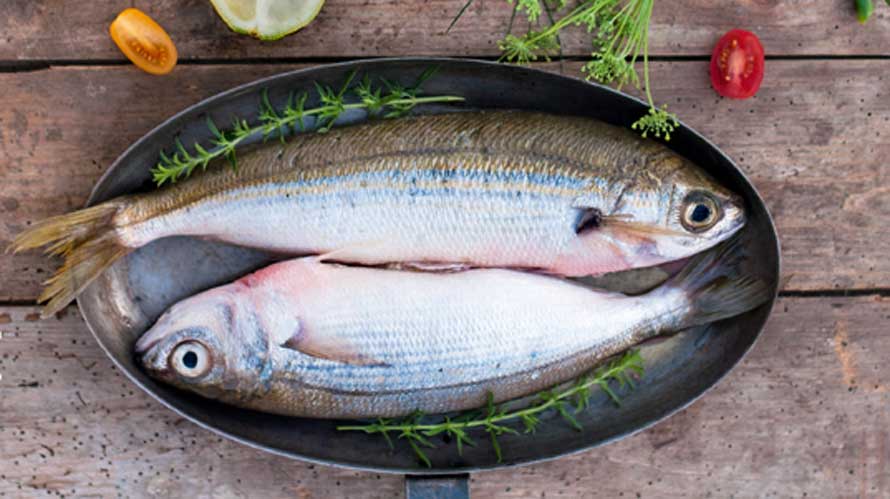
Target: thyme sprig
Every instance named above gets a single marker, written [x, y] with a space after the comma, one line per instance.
[416, 429]
[387, 99]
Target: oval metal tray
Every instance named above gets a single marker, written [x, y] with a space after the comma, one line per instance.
[128, 298]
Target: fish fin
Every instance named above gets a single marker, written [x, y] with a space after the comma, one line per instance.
[332, 350]
[591, 218]
[442, 268]
[673, 267]
[86, 239]
[716, 287]
[626, 223]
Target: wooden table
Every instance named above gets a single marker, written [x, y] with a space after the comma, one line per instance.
[807, 414]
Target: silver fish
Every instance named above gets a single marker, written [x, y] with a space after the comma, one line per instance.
[306, 338]
[562, 195]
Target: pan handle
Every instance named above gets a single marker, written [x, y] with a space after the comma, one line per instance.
[437, 487]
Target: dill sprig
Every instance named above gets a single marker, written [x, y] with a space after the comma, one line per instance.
[620, 31]
[386, 99]
[416, 430]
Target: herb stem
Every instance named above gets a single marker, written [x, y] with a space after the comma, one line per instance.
[580, 12]
[415, 431]
[396, 101]
[600, 378]
[621, 33]
[646, 17]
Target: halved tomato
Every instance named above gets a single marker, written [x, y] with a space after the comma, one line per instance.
[737, 65]
[143, 41]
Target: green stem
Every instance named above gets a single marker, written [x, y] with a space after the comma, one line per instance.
[582, 10]
[618, 32]
[646, 18]
[186, 165]
[629, 360]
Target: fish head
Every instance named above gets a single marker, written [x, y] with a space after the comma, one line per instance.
[671, 211]
[211, 344]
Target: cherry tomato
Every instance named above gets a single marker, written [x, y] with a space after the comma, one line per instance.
[737, 65]
[143, 41]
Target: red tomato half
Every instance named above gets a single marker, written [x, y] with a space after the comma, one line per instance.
[737, 65]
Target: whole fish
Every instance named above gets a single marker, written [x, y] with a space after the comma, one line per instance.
[563, 195]
[306, 338]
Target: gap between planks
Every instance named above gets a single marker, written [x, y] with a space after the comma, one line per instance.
[28, 65]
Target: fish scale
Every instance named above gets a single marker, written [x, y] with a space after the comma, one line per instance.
[474, 334]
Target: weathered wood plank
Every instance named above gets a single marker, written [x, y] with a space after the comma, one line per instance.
[813, 140]
[50, 29]
[807, 413]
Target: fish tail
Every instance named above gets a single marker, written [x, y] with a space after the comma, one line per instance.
[87, 241]
[716, 287]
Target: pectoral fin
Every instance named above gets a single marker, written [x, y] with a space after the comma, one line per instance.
[329, 348]
[627, 224]
[592, 218]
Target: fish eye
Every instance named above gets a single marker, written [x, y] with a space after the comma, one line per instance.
[190, 359]
[700, 212]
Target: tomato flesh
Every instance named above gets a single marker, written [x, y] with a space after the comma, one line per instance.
[737, 65]
[143, 41]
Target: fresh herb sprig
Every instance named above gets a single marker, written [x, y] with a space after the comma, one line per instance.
[417, 431]
[621, 35]
[620, 31]
[387, 100]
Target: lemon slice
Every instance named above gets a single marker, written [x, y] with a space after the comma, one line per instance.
[267, 19]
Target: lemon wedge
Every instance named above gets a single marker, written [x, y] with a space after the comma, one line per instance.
[267, 19]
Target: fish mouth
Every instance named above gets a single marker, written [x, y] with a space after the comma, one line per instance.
[147, 341]
[160, 330]
[153, 361]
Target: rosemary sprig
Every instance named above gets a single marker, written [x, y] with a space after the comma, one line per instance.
[388, 99]
[567, 402]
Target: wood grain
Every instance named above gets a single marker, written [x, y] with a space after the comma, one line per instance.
[54, 30]
[806, 414]
[814, 141]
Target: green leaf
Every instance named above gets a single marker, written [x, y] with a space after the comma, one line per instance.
[490, 408]
[561, 408]
[232, 159]
[496, 446]
[214, 130]
[346, 83]
[530, 421]
[420, 454]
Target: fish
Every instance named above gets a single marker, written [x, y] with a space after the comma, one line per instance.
[313, 339]
[561, 195]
